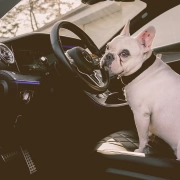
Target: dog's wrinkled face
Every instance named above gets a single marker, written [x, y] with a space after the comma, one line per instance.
[121, 53]
[124, 54]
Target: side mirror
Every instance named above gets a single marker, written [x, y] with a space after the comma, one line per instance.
[90, 2]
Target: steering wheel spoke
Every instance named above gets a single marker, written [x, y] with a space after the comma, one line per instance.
[71, 61]
[95, 77]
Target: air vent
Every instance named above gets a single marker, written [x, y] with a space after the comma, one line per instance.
[6, 55]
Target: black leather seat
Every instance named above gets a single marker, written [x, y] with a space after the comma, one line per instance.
[127, 140]
[159, 163]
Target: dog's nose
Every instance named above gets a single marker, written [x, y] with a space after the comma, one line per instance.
[109, 56]
[107, 60]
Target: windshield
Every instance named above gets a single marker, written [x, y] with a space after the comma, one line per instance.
[100, 21]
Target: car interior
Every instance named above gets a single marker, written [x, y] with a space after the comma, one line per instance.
[58, 122]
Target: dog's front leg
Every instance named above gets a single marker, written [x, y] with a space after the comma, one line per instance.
[151, 136]
[142, 121]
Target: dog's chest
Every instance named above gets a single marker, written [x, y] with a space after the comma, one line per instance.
[137, 97]
[157, 95]
[149, 85]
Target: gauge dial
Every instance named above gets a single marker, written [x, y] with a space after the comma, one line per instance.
[6, 55]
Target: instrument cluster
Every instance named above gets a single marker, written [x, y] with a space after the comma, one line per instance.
[6, 55]
[30, 61]
[26, 61]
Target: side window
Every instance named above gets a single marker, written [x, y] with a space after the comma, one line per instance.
[167, 33]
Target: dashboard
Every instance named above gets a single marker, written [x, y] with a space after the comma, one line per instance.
[29, 50]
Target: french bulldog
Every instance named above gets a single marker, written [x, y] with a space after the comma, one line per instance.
[154, 92]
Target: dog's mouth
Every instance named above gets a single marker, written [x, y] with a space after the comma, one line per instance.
[105, 65]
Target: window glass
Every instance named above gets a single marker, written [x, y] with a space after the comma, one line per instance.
[100, 21]
[167, 27]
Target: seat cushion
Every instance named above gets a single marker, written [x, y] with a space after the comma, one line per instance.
[127, 140]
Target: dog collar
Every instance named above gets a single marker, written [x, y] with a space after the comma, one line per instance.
[127, 79]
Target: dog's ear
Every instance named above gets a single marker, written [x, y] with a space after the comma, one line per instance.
[146, 37]
[125, 31]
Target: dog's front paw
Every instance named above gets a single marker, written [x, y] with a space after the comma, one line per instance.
[146, 150]
[138, 150]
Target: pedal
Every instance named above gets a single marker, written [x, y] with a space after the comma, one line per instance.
[29, 161]
[9, 156]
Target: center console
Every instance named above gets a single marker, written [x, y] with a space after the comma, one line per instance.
[16, 87]
[108, 99]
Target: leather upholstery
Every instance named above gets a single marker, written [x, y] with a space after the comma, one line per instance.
[160, 163]
[127, 140]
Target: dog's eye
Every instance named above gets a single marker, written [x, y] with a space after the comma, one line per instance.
[124, 54]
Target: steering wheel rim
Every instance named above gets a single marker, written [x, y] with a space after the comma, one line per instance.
[66, 58]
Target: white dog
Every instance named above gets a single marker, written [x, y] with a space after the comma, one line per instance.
[152, 87]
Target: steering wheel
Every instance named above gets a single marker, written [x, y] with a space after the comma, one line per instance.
[78, 60]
